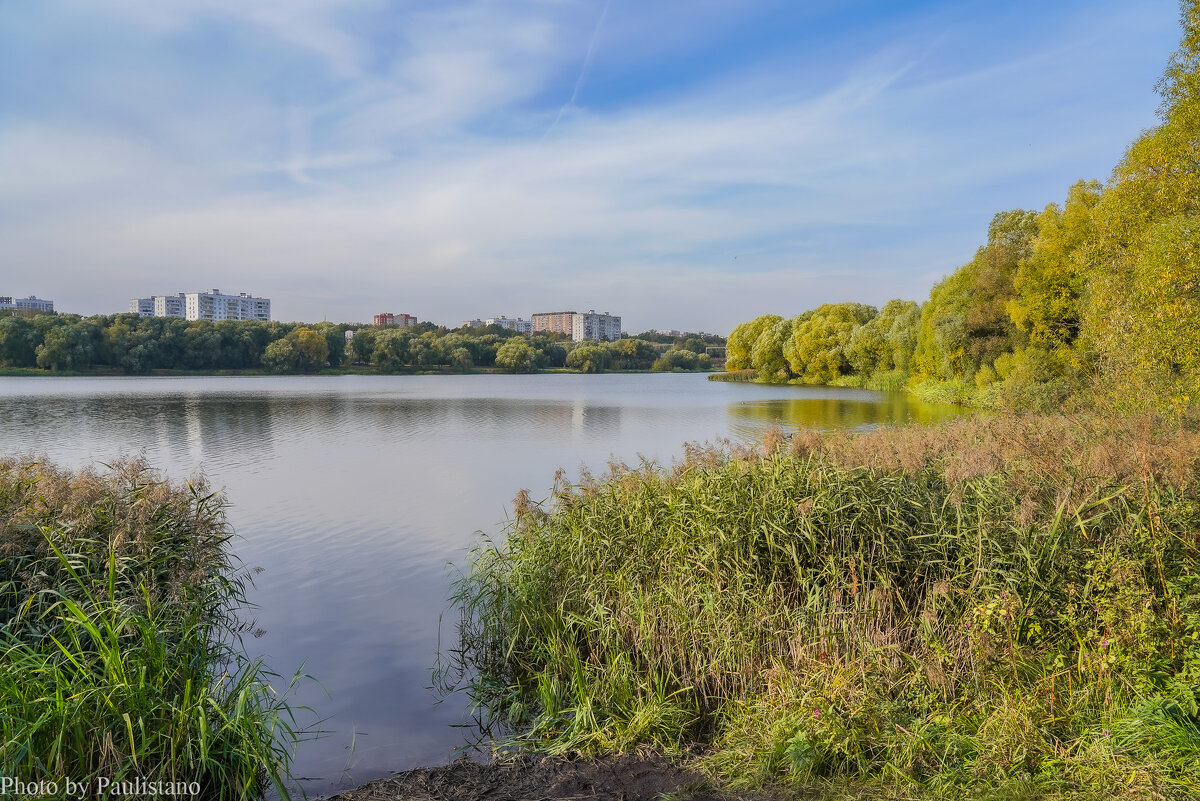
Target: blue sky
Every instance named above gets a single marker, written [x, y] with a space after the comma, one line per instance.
[685, 165]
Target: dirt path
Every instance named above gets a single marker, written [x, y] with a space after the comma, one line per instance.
[632, 777]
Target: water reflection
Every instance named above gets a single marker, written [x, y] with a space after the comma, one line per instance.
[828, 412]
[355, 493]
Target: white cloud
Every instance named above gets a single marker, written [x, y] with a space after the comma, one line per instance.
[417, 173]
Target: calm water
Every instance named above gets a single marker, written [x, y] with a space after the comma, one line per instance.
[356, 494]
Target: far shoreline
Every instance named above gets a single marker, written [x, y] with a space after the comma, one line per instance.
[33, 372]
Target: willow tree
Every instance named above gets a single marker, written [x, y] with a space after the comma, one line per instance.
[816, 351]
[741, 341]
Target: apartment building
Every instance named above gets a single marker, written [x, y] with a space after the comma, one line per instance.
[518, 325]
[203, 306]
[402, 320]
[554, 322]
[142, 307]
[595, 326]
[588, 325]
[31, 303]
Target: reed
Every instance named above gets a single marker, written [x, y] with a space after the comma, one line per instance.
[120, 640]
[1006, 605]
[735, 375]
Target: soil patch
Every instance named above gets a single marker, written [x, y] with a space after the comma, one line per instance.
[630, 777]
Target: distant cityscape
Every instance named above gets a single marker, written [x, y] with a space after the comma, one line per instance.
[216, 306]
[579, 326]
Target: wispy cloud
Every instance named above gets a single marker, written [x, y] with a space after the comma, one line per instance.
[339, 155]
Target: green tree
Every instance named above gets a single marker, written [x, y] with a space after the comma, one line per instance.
[631, 354]
[1051, 281]
[19, 340]
[966, 326]
[311, 347]
[390, 353]
[742, 339]
[517, 356]
[201, 346]
[1140, 264]
[766, 355]
[282, 356]
[335, 341]
[589, 358]
[682, 359]
[886, 342]
[66, 346]
[816, 351]
[362, 345]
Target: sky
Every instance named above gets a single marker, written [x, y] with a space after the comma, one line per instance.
[683, 165]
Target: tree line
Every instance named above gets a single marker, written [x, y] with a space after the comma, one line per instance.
[134, 344]
[1094, 300]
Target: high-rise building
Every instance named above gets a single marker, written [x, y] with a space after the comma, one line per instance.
[402, 320]
[215, 306]
[170, 305]
[595, 326]
[579, 327]
[142, 307]
[203, 306]
[554, 322]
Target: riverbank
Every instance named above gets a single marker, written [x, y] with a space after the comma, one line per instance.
[120, 657]
[629, 777]
[1003, 607]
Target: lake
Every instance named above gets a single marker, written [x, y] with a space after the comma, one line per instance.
[358, 494]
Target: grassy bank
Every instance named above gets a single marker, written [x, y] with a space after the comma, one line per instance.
[120, 657]
[1005, 607]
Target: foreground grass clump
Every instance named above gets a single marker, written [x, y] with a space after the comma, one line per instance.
[1006, 606]
[120, 657]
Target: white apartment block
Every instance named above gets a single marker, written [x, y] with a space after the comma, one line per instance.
[203, 306]
[518, 325]
[31, 303]
[599, 327]
[168, 305]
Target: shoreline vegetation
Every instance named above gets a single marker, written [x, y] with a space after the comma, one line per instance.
[127, 344]
[353, 369]
[121, 660]
[1002, 607]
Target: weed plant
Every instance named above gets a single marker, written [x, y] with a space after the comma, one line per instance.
[120, 651]
[998, 607]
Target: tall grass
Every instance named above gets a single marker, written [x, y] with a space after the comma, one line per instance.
[120, 652]
[1008, 605]
[735, 375]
